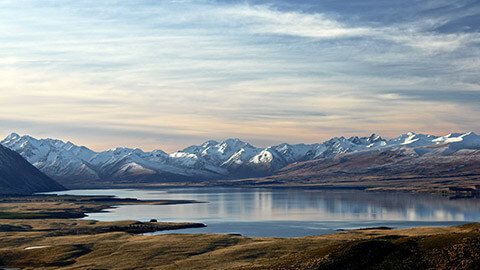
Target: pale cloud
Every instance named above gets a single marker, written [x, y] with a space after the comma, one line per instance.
[187, 71]
[264, 19]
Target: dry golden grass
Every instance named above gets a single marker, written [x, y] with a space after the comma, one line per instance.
[120, 250]
[84, 244]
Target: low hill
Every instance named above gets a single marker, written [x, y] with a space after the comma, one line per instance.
[17, 176]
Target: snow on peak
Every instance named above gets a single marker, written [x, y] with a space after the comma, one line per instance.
[209, 143]
[53, 157]
[365, 140]
[412, 139]
[197, 149]
[465, 141]
[12, 136]
[454, 135]
[374, 138]
[233, 143]
[263, 157]
[67, 160]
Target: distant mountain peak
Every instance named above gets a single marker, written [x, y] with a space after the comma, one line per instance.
[209, 143]
[375, 138]
[233, 141]
[455, 134]
[365, 140]
[230, 158]
[12, 136]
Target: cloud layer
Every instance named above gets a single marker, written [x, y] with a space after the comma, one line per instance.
[165, 74]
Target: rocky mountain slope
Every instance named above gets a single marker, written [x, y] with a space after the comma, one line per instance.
[451, 161]
[17, 176]
[233, 159]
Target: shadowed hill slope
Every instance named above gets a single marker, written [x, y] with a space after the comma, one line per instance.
[17, 176]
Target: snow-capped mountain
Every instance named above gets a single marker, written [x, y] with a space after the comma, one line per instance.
[55, 158]
[231, 158]
[17, 176]
[411, 161]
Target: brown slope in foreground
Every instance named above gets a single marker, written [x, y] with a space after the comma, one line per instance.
[400, 168]
[419, 248]
[17, 176]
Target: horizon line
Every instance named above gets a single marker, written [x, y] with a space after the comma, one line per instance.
[224, 140]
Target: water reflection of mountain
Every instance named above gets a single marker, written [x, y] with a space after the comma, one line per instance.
[368, 205]
[226, 204]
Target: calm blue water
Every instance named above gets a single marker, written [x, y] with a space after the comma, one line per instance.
[288, 213]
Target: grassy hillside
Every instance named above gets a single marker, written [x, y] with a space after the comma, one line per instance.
[420, 248]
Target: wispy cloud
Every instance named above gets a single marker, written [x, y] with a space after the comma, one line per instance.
[266, 20]
[417, 34]
[185, 71]
[461, 97]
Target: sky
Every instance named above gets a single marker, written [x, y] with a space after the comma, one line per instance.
[168, 74]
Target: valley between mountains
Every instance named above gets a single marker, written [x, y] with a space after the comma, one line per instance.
[410, 161]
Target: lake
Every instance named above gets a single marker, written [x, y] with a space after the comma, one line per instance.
[288, 212]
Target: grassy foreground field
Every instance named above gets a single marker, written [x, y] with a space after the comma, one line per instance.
[52, 243]
[419, 248]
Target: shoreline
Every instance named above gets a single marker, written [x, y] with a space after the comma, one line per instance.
[82, 244]
[452, 192]
[53, 206]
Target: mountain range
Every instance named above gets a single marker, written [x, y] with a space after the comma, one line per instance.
[74, 165]
[17, 176]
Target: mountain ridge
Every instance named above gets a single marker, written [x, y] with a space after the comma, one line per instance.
[229, 159]
[17, 176]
